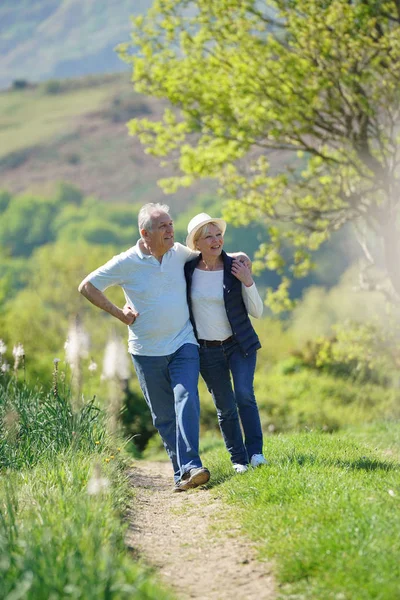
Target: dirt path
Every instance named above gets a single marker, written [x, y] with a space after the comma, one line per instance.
[180, 535]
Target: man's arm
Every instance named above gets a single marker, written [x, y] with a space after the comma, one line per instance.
[191, 254]
[96, 297]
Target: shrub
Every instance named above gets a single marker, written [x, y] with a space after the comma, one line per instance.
[317, 400]
[53, 86]
[20, 84]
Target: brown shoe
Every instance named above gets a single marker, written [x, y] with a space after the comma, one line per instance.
[192, 479]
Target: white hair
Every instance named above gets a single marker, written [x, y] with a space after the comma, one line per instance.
[146, 213]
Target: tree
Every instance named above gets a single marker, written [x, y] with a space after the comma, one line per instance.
[293, 106]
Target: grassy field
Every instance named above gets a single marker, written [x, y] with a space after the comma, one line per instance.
[74, 130]
[325, 510]
[34, 117]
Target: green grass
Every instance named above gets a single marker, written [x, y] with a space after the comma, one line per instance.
[35, 425]
[31, 117]
[326, 511]
[57, 539]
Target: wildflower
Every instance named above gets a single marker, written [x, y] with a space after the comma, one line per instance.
[56, 361]
[5, 367]
[19, 354]
[18, 351]
[92, 366]
[76, 345]
[97, 442]
[97, 483]
[391, 493]
[116, 370]
[76, 348]
[112, 456]
[3, 348]
[116, 364]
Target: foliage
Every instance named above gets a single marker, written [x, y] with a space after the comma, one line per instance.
[38, 316]
[97, 223]
[321, 308]
[325, 511]
[292, 397]
[291, 105]
[369, 347]
[348, 358]
[136, 418]
[26, 223]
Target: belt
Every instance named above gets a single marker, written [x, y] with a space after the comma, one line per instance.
[213, 343]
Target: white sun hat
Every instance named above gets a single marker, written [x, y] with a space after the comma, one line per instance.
[197, 222]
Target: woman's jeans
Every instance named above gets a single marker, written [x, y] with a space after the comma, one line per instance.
[217, 365]
[169, 385]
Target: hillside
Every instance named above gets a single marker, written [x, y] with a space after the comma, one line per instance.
[42, 39]
[75, 131]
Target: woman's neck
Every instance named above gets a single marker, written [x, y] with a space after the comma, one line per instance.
[211, 263]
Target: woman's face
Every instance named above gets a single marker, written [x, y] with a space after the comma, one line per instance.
[210, 243]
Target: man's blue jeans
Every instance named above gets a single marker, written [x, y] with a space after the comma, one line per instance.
[169, 385]
[217, 365]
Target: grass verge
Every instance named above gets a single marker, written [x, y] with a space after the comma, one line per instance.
[63, 492]
[326, 510]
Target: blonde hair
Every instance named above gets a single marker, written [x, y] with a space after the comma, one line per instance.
[204, 230]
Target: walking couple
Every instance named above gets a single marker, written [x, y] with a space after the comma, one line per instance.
[187, 312]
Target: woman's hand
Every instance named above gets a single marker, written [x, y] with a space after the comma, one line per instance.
[242, 272]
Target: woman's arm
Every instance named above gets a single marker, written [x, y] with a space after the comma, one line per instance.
[250, 294]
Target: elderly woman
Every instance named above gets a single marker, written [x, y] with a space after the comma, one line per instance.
[221, 294]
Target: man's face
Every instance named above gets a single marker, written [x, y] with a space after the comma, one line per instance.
[161, 238]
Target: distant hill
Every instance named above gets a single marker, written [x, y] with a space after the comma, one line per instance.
[74, 130]
[43, 39]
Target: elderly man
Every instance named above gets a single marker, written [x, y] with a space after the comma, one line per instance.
[161, 340]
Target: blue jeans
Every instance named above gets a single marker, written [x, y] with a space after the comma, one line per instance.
[217, 365]
[169, 385]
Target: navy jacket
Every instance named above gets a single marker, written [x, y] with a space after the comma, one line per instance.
[236, 311]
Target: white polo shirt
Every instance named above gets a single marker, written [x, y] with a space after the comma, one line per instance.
[157, 291]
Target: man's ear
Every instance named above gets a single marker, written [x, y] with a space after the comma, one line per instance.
[144, 233]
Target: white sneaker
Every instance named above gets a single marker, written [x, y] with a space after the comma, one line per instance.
[240, 468]
[257, 460]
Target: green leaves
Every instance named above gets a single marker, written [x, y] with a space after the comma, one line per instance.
[289, 105]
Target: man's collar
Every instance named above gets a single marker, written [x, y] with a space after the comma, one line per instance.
[139, 250]
[141, 254]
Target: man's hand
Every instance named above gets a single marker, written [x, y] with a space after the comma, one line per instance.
[128, 316]
[242, 257]
[242, 272]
